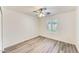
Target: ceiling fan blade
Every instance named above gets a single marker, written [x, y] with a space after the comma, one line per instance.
[48, 13]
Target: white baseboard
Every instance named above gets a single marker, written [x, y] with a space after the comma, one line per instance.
[26, 38]
[56, 39]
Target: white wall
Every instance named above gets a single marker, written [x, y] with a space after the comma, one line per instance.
[66, 32]
[77, 29]
[17, 27]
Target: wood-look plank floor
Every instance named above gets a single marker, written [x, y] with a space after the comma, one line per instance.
[42, 45]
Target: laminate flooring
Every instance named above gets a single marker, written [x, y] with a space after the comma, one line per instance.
[42, 45]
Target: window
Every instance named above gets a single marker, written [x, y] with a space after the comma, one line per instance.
[52, 25]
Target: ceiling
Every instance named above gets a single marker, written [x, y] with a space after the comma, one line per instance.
[29, 9]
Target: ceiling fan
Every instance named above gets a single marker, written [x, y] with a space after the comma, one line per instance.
[42, 12]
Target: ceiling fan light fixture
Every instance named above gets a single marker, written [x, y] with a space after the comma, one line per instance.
[42, 12]
[41, 15]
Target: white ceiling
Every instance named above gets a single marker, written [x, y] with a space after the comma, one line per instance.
[29, 9]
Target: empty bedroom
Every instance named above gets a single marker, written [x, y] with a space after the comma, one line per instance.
[39, 29]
